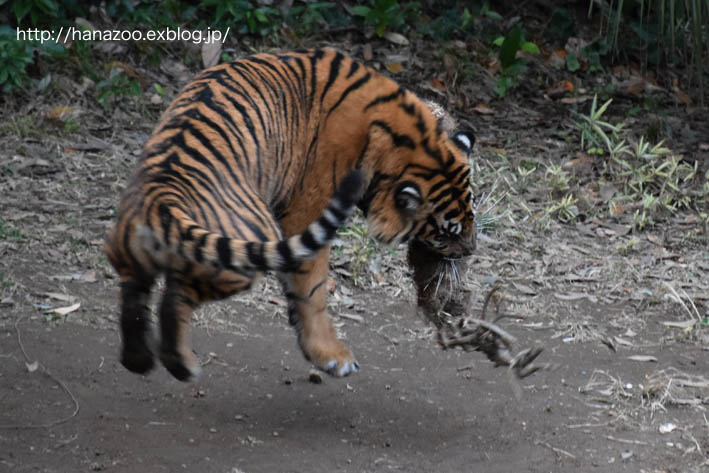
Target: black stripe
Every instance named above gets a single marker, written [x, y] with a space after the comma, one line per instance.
[356, 85]
[354, 66]
[340, 216]
[409, 108]
[286, 255]
[317, 55]
[254, 251]
[384, 99]
[329, 228]
[316, 287]
[334, 71]
[435, 154]
[166, 219]
[224, 252]
[400, 141]
[451, 214]
[308, 240]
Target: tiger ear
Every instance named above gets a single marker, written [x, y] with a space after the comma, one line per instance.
[407, 197]
[464, 140]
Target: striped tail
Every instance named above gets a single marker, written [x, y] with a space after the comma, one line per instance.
[214, 250]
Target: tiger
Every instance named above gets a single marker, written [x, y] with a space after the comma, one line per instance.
[254, 167]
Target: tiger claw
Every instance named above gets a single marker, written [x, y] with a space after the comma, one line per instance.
[347, 368]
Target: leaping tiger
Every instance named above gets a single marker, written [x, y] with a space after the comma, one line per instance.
[253, 167]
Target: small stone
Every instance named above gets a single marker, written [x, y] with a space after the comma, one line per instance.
[315, 377]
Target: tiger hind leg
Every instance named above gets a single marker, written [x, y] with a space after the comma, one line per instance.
[178, 302]
[180, 299]
[136, 353]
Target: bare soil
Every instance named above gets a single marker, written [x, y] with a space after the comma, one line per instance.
[618, 313]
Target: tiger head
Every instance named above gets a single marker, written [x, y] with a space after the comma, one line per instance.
[419, 180]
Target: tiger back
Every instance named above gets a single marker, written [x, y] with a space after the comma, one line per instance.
[253, 167]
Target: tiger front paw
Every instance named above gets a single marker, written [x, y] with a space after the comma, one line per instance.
[334, 358]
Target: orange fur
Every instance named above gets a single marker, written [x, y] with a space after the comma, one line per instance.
[248, 170]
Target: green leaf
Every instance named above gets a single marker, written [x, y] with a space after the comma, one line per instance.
[503, 85]
[514, 69]
[510, 46]
[498, 41]
[260, 16]
[53, 49]
[530, 47]
[21, 9]
[360, 10]
[572, 62]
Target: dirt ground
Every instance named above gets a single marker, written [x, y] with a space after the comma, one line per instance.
[618, 313]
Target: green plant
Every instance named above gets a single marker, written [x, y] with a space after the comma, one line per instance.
[363, 248]
[659, 32]
[512, 66]
[16, 55]
[557, 179]
[565, 209]
[9, 233]
[653, 179]
[36, 10]
[385, 14]
[595, 132]
[117, 86]
[594, 52]
[310, 16]
[562, 24]
[244, 16]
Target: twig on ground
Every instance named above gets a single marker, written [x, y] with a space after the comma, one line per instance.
[556, 450]
[46, 371]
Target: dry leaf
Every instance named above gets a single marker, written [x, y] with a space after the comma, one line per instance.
[574, 296]
[396, 38]
[88, 276]
[624, 342]
[394, 67]
[560, 88]
[524, 289]
[64, 310]
[633, 86]
[59, 114]
[438, 84]
[682, 97]
[575, 100]
[367, 53]
[685, 324]
[483, 109]
[211, 52]
[649, 358]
